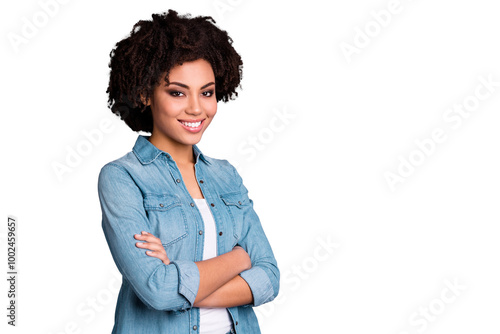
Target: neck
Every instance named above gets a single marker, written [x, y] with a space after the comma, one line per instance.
[181, 153]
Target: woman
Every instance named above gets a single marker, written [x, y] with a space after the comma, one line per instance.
[180, 225]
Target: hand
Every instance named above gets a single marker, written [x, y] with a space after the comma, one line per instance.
[154, 245]
[245, 258]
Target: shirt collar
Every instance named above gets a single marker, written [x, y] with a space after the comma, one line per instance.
[147, 152]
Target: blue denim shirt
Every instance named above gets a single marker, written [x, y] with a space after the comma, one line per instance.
[144, 190]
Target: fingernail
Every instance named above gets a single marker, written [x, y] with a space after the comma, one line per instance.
[144, 232]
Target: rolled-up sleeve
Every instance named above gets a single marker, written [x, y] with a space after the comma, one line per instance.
[159, 286]
[264, 276]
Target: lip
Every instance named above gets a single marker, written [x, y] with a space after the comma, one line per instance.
[190, 129]
[191, 120]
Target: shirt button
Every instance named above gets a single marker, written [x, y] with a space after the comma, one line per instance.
[178, 181]
[161, 205]
[212, 204]
[192, 204]
[201, 181]
[220, 233]
[195, 327]
[200, 232]
[236, 323]
[239, 202]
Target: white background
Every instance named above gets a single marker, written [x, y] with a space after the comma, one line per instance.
[320, 179]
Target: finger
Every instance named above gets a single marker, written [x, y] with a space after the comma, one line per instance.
[151, 238]
[147, 237]
[151, 246]
[139, 236]
[159, 255]
[143, 235]
[162, 256]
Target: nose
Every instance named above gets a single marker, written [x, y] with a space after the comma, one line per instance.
[194, 106]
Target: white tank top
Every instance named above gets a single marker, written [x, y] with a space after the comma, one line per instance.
[212, 320]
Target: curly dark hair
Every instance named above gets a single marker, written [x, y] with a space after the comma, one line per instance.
[153, 48]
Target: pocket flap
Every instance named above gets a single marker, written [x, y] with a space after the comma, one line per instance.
[160, 202]
[235, 198]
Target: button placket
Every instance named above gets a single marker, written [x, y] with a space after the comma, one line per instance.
[172, 167]
[200, 240]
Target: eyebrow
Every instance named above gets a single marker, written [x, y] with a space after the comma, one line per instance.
[186, 86]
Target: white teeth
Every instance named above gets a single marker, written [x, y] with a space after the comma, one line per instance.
[192, 125]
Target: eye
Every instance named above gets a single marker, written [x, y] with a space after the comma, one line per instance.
[175, 93]
[208, 93]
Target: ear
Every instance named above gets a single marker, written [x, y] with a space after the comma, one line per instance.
[144, 101]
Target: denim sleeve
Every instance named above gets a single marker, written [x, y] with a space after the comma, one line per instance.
[159, 286]
[264, 276]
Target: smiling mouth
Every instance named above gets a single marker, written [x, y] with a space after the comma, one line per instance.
[192, 126]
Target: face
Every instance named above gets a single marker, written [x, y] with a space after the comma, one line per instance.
[183, 110]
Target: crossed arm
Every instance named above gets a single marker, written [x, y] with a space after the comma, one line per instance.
[182, 283]
[218, 288]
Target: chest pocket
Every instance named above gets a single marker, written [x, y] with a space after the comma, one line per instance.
[235, 204]
[167, 217]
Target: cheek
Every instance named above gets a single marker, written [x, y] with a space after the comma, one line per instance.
[170, 108]
[211, 108]
[165, 116]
